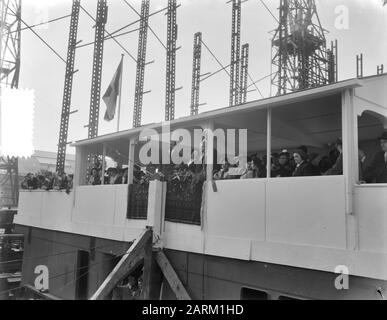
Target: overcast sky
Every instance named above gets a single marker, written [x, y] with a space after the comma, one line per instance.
[42, 71]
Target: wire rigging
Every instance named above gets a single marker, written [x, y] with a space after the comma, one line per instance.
[149, 27]
[109, 34]
[36, 34]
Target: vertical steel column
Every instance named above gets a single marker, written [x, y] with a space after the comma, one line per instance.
[171, 61]
[97, 69]
[244, 73]
[235, 52]
[68, 86]
[10, 38]
[141, 62]
[196, 69]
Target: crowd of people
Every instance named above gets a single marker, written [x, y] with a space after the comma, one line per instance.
[47, 180]
[301, 163]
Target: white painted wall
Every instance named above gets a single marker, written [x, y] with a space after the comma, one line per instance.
[298, 222]
[370, 206]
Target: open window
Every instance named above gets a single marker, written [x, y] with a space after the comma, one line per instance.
[371, 126]
[306, 138]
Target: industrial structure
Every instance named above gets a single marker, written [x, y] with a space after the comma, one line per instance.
[170, 92]
[300, 54]
[10, 34]
[196, 75]
[141, 62]
[68, 87]
[183, 239]
[10, 51]
[95, 98]
[235, 52]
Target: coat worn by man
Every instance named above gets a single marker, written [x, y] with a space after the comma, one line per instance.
[337, 168]
[377, 171]
[305, 169]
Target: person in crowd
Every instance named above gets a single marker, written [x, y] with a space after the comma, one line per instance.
[249, 173]
[305, 150]
[125, 176]
[303, 167]
[362, 159]
[337, 168]
[282, 169]
[314, 159]
[70, 183]
[377, 171]
[30, 182]
[114, 177]
[48, 183]
[95, 178]
[223, 173]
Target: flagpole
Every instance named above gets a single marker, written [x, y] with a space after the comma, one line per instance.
[119, 101]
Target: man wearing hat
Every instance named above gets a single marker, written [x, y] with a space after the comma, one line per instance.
[377, 172]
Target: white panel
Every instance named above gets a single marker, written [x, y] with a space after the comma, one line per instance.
[121, 205]
[363, 264]
[228, 247]
[184, 237]
[95, 204]
[56, 209]
[30, 207]
[370, 205]
[307, 211]
[237, 209]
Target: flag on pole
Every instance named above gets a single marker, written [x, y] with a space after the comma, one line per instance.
[112, 93]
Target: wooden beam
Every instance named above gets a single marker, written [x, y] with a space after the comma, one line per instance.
[43, 295]
[126, 265]
[147, 272]
[171, 276]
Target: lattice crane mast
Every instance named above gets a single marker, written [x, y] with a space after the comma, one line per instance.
[68, 86]
[102, 11]
[300, 52]
[235, 52]
[141, 63]
[10, 39]
[171, 61]
[196, 69]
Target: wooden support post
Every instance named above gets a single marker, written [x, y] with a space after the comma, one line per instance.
[171, 276]
[127, 264]
[147, 272]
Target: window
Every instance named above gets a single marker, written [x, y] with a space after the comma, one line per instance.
[306, 138]
[371, 148]
[253, 294]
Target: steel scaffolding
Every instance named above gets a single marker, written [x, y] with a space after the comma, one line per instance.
[171, 61]
[10, 38]
[97, 69]
[244, 73]
[300, 53]
[68, 85]
[141, 62]
[235, 52]
[196, 69]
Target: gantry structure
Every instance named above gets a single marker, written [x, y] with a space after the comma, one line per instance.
[300, 55]
[95, 97]
[235, 53]
[141, 63]
[10, 39]
[68, 86]
[170, 91]
[196, 73]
